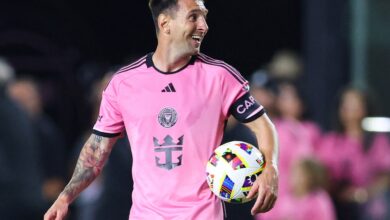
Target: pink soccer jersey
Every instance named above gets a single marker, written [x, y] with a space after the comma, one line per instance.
[174, 121]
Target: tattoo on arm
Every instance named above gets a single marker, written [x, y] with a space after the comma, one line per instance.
[91, 161]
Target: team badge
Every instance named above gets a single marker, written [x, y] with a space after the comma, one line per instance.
[167, 117]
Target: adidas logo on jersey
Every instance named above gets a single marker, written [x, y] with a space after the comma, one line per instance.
[169, 88]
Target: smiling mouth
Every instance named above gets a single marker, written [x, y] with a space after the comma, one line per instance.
[197, 38]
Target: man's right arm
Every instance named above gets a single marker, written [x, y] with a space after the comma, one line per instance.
[92, 158]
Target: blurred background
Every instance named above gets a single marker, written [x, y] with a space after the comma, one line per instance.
[321, 69]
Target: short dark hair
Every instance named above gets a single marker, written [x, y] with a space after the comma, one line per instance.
[160, 6]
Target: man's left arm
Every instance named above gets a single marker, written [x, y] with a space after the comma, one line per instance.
[266, 185]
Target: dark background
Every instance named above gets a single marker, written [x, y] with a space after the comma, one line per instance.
[245, 35]
[67, 44]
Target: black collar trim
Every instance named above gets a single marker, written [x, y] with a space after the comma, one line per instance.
[149, 63]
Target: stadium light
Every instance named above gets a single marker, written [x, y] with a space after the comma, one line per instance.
[376, 124]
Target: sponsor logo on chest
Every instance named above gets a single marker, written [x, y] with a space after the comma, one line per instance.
[166, 151]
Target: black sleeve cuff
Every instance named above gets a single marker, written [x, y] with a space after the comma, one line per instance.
[107, 135]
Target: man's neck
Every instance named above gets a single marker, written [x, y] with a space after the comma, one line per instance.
[167, 60]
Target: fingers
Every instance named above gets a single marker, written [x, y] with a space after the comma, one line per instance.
[268, 203]
[49, 216]
[252, 193]
[54, 215]
[259, 202]
[264, 202]
[59, 216]
[271, 204]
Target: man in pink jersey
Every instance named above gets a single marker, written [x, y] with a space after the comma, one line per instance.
[173, 105]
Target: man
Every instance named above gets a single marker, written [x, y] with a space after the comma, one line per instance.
[50, 144]
[173, 104]
[21, 176]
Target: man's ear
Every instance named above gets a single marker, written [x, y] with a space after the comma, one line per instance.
[163, 23]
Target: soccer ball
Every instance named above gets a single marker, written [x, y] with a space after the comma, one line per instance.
[232, 170]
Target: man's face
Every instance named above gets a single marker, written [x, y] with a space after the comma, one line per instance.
[188, 26]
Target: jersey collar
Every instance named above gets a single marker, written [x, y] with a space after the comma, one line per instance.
[149, 63]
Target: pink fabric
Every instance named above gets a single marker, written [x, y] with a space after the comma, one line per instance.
[297, 140]
[379, 155]
[346, 158]
[316, 205]
[134, 100]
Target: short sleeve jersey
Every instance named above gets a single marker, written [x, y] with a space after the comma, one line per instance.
[174, 121]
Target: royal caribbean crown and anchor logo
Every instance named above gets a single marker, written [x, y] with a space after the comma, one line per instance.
[168, 149]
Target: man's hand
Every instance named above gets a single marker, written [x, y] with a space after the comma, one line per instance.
[92, 158]
[266, 185]
[266, 189]
[58, 210]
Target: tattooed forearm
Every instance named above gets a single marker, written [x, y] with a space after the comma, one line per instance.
[89, 165]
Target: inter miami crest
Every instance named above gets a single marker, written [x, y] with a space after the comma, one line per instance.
[167, 117]
[166, 152]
